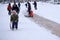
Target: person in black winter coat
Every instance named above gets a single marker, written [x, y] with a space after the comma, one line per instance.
[29, 8]
[15, 7]
[35, 5]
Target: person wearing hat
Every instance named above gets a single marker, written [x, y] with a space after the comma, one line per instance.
[14, 20]
[15, 7]
[9, 8]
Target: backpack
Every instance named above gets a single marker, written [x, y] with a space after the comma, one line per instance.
[31, 14]
[9, 7]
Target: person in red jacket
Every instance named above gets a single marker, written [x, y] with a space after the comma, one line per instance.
[9, 8]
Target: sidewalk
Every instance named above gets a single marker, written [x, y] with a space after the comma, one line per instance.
[48, 24]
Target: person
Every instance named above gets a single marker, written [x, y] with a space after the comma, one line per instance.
[9, 8]
[15, 7]
[35, 5]
[14, 19]
[29, 8]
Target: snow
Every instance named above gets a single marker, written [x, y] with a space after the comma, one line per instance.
[27, 30]
[48, 11]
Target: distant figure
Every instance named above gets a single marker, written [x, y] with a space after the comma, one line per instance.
[29, 8]
[30, 12]
[14, 20]
[9, 8]
[35, 5]
[15, 7]
[19, 4]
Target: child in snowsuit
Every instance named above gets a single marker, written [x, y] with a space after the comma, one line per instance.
[14, 20]
[9, 9]
[35, 5]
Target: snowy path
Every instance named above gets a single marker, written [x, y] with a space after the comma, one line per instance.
[27, 30]
[48, 24]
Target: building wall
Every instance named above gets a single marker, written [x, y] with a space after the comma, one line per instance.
[29, 0]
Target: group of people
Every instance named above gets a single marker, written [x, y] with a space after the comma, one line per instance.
[14, 11]
[14, 7]
[28, 5]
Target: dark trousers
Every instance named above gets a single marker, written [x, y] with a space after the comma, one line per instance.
[29, 12]
[35, 7]
[14, 25]
[9, 12]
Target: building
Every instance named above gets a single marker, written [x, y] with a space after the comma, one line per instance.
[52, 1]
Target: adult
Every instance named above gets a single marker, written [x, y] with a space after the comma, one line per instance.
[15, 7]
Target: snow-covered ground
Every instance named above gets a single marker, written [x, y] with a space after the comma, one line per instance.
[27, 30]
[48, 11]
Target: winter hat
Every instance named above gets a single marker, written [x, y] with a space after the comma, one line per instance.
[13, 12]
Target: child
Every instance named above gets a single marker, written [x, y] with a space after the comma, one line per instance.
[9, 9]
[14, 20]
